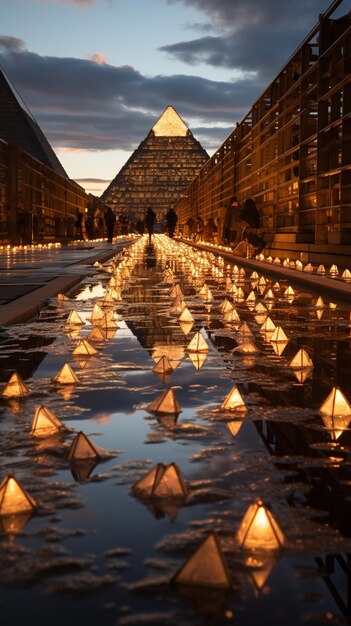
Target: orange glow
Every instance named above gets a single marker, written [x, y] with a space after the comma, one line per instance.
[259, 530]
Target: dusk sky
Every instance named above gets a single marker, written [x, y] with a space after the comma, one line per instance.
[96, 74]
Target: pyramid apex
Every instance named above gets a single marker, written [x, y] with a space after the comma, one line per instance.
[170, 124]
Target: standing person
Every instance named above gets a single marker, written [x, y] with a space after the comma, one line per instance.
[110, 220]
[250, 215]
[171, 221]
[232, 226]
[150, 219]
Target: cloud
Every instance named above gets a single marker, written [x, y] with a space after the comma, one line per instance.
[81, 104]
[251, 35]
[99, 58]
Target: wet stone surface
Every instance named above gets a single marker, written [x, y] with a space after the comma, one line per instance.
[97, 551]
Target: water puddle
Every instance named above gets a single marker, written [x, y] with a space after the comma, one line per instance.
[103, 541]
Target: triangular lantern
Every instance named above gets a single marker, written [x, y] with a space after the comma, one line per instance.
[278, 335]
[66, 376]
[74, 319]
[197, 359]
[186, 316]
[165, 403]
[336, 404]
[233, 401]
[163, 366]
[15, 387]
[225, 305]
[96, 315]
[170, 484]
[61, 297]
[301, 359]
[144, 486]
[259, 529]
[84, 347]
[206, 567]
[14, 499]
[82, 449]
[46, 423]
[246, 347]
[234, 426]
[197, 344]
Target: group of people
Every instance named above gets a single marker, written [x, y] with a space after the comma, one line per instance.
[241, 227]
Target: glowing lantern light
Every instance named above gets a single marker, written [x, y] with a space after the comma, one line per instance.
[301, 360]
[259, 529]
[14, 499]
[320, 303]
[254, 276]
[289, 293]
[231, 316]
[278, 335]
[321, 270]
[251, 300]
[15, 387]
[197, 359]
[163, 366]
[269, 295]
[277, 261]
[225, 306]
[84, 347]
[233, 401]
[279, 347]
[276, 286]
[260, 570]
[96, 315]
[246, 347]
[308, 267]
[234, 427]
[346, 275]
[82, 448]
[186, 316]
[197, 344]
[162, 481]
[74, 319]
[334, 271]
[176, 291]
[301, 375]
[206, 567]
[61, 297]
[165, 403]
[46, 423]
[336, 404]
[97, 334]
[299, 266]
[244, 331]
[186, 327]
[66, 376]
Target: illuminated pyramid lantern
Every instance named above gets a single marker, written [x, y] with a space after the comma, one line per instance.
[206, 567]
[74, 319]
[165, 403]
[244, 332]
[197, 359]
[96, 315]
[15, 387]
[268, 327]
[159, 171]
[83, 449]
[186, 316]
[234, 426]
[163, 366]
[162, 481]
[301, 360]
[259, 529]
[83, 347]
[61, 297]
[233, 401]
[278, 335]
[336, 412]
[14, 499]
[246, 347]
[225, 305]
[66, 376]
[231, 317]
[97, 334]
[197, 344]
[186, 327]
[45, 423]
[176, 292]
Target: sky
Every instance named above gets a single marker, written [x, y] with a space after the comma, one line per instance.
[97, 74]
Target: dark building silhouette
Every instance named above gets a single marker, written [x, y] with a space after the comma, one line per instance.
[158, 171]
[38, 202]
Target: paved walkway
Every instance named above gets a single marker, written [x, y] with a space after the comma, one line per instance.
[28, 279]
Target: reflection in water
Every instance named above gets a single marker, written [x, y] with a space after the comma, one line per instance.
[285, 448]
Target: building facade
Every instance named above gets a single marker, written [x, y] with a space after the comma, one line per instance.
[292, 151]
[38, 202]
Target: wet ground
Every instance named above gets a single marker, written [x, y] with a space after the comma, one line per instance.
[93, 552]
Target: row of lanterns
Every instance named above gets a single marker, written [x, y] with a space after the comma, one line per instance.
[259, 530]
